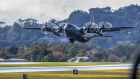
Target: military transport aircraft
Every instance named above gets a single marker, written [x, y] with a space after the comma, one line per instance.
[75, 33]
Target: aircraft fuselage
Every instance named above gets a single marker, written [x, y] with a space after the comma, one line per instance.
[75, 33]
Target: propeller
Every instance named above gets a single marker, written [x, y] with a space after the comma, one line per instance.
[51, 26]
[44, 28]
[103, 26]
[91, 23]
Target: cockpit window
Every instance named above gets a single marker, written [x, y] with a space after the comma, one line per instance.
[72, 27]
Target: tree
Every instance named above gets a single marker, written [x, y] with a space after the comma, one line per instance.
[123, 59]
[80, 54]
[49, 58]
[13, 50]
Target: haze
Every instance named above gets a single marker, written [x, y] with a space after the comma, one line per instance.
[43, 10]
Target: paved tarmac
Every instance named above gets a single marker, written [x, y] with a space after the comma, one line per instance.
[63, 68]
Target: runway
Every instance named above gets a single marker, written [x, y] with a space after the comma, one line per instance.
[5, 63]
[63, 68]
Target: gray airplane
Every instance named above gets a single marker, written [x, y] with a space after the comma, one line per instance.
[75, 33]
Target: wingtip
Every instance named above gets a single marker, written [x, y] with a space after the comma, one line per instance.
[134, 26]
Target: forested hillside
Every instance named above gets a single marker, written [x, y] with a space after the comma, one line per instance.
[15, 36]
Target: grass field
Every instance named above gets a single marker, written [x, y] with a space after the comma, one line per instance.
[90, 74]
[57, 64]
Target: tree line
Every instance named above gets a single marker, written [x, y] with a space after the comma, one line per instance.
[47, 52]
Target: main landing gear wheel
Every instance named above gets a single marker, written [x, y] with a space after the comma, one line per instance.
[72, 40]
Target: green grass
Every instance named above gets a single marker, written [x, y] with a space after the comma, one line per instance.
[90, 74]
[56, 64]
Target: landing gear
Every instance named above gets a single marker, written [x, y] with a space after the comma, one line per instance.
[72, 40]
[84, 40]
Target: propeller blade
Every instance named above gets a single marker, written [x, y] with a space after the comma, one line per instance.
[91, 22]
[103, 24]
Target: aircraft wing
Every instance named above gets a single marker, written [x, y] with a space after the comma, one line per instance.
[115, 29]
[33, 28]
